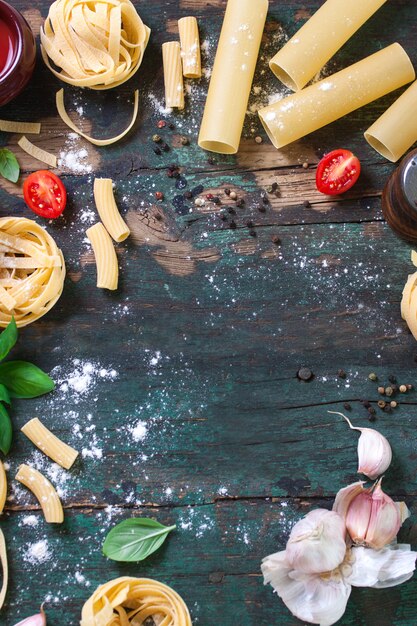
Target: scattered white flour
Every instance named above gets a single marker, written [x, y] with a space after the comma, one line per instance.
[37, 552]
[74, 157]
[139, 431]
[158, 105]
[82, 377]
[30, 520]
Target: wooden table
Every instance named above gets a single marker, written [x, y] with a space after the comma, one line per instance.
[205, 337]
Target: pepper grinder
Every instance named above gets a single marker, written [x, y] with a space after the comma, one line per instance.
[399, 199]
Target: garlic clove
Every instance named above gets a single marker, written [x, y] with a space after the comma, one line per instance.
[317, 542]
[403, 510]
[372, 518]
[380, 569]
[374, 450]
[310, 597]
[35, 620]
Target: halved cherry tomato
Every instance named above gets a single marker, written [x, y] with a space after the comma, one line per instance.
[45, 194]
[337, 172]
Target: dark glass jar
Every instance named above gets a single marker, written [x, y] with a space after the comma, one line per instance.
[18, 52]
[399, 199]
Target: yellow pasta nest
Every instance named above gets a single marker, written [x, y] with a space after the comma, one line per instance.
[93, 44]
[32, 271]
[130, 601]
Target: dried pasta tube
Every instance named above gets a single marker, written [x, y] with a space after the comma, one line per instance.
[3, 487]
[174, 84]
[319, 39]
[190, 47]
[332, 98]
[108, 211]
[232, 75]
[5, 567]
[50, 445]
[105, 255]
[44, 492]
[396, 130]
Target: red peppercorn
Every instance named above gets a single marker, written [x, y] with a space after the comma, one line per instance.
[159, 195]
[161, 124]
[209, 196]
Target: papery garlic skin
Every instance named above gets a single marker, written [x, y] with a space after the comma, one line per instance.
[313, 598]
[372, 518]
[381, 569]
[317, 542]
[374, 451]
[35, 620]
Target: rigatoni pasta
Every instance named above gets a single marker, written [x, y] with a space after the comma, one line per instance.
[174, 84]
[396, 130]
[43, 491]
[49, 444]
[190, 47]
[3, 487]
[105, 256]
[108, 211]
[232, 76]
[331, 98]
[306, 53]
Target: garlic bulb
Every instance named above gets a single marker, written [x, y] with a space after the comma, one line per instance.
[374, 451]
[317, 542]
[35, 620]
[372, 518]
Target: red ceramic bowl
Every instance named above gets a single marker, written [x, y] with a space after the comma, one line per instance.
[17, 52]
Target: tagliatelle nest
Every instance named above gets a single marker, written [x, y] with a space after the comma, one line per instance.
[93, 44]
[32, 271]
[131, 601]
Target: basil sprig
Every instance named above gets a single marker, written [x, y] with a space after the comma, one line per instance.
[135, 539]
[9, 166]
[18, 379]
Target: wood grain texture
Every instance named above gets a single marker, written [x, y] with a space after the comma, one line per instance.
[203, 341]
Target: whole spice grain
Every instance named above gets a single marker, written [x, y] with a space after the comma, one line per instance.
[199, 202]
[372, 376]
[233, 195]
[185, 141]
[366, 404]
[158, 217]
[159, 195]
[261, 208]
[305, 165]
[382, 404]
[381, 390]
[161, 124]
[371, 410]
[305, 374]
[392, 379]
[272, 188]
[403, 388]
[389, 391]
[252, 233]
[307, 204]
[156, 138]
[240, 202]
[165, 147]
[372, 417]
[216, 200]
[258, 139]
[157, 151]
[341, 373]
[388, 409]
[232, 225]
[227, 191]
[209, 196]
[276, 240]
[409, 387]
[393, 404]
[171, 126]
[347, 406]
[188, 195]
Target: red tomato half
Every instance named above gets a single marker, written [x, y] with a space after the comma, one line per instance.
[337, 172]
[45, 194]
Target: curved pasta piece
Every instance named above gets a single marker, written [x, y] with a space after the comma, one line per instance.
[126, 601]
[5, 568]
[44, 492]
[108, 211]
[31, 128]
[105, 255]
[97, 142]
[32, 271]
[49, 444]
[190, 47]
[174, 84]
[93, 44]
[36, 152]
[3, 487]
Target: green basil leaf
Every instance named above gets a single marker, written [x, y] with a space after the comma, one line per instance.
[135, 539]
[25, 380]
[8, 339]
[6, 432]
[9, 166]
[4, 395]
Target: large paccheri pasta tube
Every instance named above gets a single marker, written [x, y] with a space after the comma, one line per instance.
[93, 44]
[131, 601]
[232, 75]
[32, 271]
[332, 98]
[396, 130]
[319, 39]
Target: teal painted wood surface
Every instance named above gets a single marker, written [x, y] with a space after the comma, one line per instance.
[203, 341]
